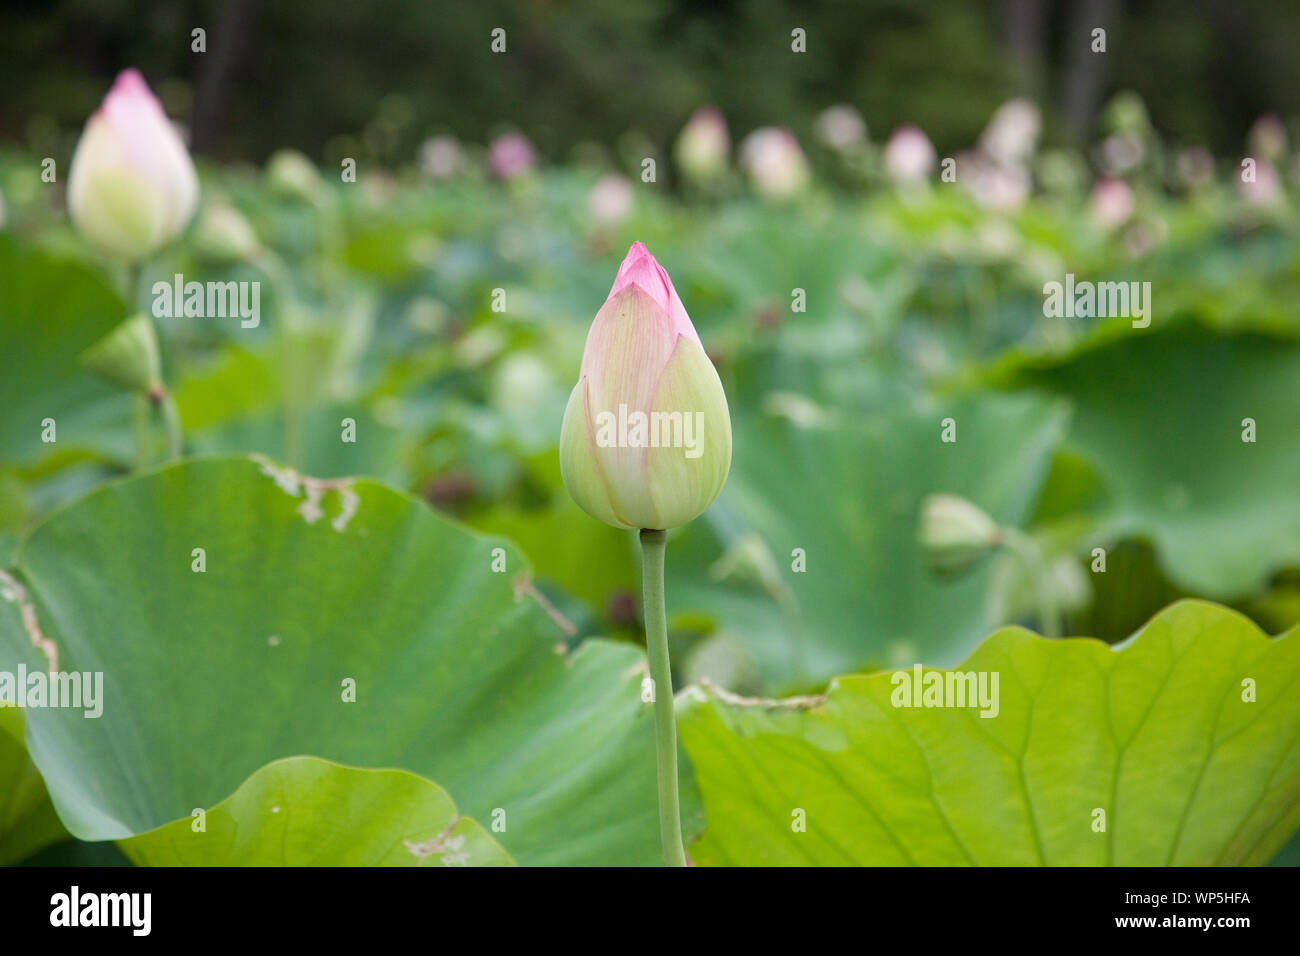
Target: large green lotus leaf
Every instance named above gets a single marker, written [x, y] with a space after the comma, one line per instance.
[209, 676]
[304, 811]
[586, 558]
[50, 311]
[849, 496]
[1159, 416]
[27, 818]
[1162, 735]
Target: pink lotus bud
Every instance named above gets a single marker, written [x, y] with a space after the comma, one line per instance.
[1121, 153]
[610, 200]
[1267, 137]
[703, 146]
[1263, 188]
[1003, 188]
[1012, 134]
[132, 186]
[1112, 203]
[774, 162]
[511, 155]
[841, 128]
[441, 157]
[646, 439]
[909, 155]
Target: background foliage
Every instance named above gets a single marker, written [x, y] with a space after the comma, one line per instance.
[480, 690]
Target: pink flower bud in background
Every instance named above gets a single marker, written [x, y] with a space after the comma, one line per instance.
[1112, 203]
[1011, 137]
[1264, 188]
[132, 186]
[775, 163]
[909, 155]
[995, 186]
[441, 157]
[1121, 153]
[610, 200]
[644, 363]
[1267, 138]
[703, 147]
[841, 128]
[511, 155]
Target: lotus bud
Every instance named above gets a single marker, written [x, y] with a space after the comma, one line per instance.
[223, 234]
[1012, 134]
[1266, 187]
[511, 156]
[441, 157]
[290, 173]
[132, 186]
[955, 533]
[703, 146]
[909, 155]
[1112, 203]
[610, 200]
[841, 128]
[774, 162]
[1267, 138]
[646, 438]
[127, 356]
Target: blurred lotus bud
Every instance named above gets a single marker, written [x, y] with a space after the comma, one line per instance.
[1121, 154]
[1112, 202]
[749, 562]
[223, 234]
[703, 147]
[511, 155]
[1012, 134]
[841, 128]
[610, 200]
[1195, 167]
[1063, 173]
[290, 173]
[127, 356]
[993, 185]
[909, 155]
[1265, 189]
[1126, 113]
[132, 187]
[378, 188]
[775, 163]
[646, 438]
[955, 534]
[441, 157]
[1267, 138]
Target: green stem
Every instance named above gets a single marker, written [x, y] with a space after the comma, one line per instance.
[131, 296]
[1031, 556]
[661, 678]
[142, 414]
[172, 422]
